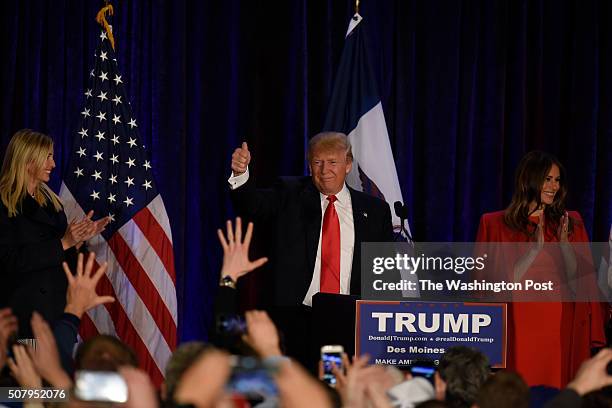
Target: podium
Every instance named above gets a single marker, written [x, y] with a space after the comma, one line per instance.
[334, 321]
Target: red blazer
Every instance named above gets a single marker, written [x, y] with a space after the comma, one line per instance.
[580, 325]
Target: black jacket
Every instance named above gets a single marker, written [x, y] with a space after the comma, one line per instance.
[292, 210]
[31, 257]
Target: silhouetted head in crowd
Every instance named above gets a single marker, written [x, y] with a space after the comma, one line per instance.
[104, 353]
[461, 373]
[182, 358]
[431, 404]
[505, 389]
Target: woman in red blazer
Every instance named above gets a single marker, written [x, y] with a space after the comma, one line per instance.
[547, 341]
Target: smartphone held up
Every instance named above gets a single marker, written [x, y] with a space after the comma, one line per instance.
[331, 356]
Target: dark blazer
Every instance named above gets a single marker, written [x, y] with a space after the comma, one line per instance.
[31, 257]
[292, 209]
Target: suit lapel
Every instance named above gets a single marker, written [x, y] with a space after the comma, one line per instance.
[359, 223]
[312, 222]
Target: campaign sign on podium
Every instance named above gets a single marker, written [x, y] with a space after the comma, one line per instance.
[398, 333]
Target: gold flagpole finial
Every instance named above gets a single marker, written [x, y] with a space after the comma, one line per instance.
[356, 6]
[101, 19]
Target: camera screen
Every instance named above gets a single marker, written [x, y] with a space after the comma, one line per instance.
[329, 360]
[251, 379]
[100, 386]
[426, 370]
[231, 325]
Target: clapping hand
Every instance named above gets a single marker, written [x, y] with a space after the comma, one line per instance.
[540, 233]
[46, 357]
[563, 227]
[236, 251]
[593, 373]
[8, 328]
[80, 231]
[525, 261]
[262, 334]
[23, 369]
[363, 385]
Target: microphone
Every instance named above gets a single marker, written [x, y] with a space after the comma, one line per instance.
[402, 213]
[400, 210]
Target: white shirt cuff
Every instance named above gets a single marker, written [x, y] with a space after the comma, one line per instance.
[238, 181]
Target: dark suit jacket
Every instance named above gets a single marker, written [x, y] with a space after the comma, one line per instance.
[31, 257]
[293, 210]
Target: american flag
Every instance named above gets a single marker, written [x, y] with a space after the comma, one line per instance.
[110, 172]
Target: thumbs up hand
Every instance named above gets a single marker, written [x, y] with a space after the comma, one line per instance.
[241, 159]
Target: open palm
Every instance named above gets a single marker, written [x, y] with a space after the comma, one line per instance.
[236, 261]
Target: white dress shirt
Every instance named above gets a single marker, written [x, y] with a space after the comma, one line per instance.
[237, 181]
[344, 208]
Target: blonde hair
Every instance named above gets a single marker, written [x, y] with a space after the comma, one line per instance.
[326, 141]
[26, 147]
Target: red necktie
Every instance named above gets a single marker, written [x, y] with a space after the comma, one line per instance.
[330, 249]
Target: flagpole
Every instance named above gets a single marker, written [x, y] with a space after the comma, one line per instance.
[356, 6]
[101, 19]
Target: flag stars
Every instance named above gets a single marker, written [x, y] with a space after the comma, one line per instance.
[81, 152]
[118, 79]
[98, 156]
[88, 93]
[102, 36]
[97, 175]
[116, 119]
[78, 172]
[129, 181]
[132, 123]
[147, 165]
[117, 100]
[91, 73]
[83, 133]
[147, 184]
[111, 198]
[128, 201]
[101, 116]
[86, 113]
[112, 179]
[114, 159]
[130, 162]
[103, 56]
[115, 139]
[95, 195]
[111, 216]
[99, 135]
[103, 76]
[132, 142]
[102, 96]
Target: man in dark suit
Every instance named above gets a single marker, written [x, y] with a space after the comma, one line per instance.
[318, 222]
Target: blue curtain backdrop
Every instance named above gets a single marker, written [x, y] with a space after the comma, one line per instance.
[467, 88]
